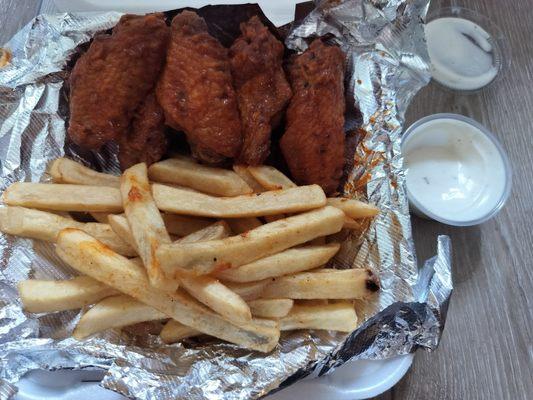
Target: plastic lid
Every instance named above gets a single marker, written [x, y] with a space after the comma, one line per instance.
[467, 51]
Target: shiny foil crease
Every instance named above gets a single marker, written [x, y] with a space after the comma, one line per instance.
[386, 65]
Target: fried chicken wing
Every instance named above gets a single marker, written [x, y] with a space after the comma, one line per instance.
[262, 88]
[313, 143]
[196, 92]
[146, 140]
[113, 77]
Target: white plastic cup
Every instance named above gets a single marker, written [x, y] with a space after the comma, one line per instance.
[457, 172]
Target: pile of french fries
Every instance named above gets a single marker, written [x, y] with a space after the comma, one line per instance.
[239, 255]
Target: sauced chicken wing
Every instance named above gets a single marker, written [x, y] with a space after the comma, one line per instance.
[261, 85]
[146, 140]
[313, 143]
[196, 92]
[113, 77]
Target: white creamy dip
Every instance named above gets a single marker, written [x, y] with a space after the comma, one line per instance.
[461, 53]
[455, 172]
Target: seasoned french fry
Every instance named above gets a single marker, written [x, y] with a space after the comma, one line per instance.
[182, 225]
[338, 316]
[181, 201]
[353, 208]
[286, 262]
[270, 178]
[64, 170]
[121, 227]
[187, 172]
[241, 225]
[355, 283]
[90, 257]
[174, 331]
[242, 171]
[217, 297]
[217, 255]
[147, 226]
[40, 296]
[114, 312]
[248, 290]
[270, 308]
[105, 234]
[210, 291]
[350, 223]
[42, 225]
[63, 197]
[218, 230]
[100, 217]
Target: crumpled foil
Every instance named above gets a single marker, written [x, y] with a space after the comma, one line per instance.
[387, 64]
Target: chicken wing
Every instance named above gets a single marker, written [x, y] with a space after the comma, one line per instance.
[313, 143]
[146, 140]
[196, 92]
[113, 77]
[261, 85]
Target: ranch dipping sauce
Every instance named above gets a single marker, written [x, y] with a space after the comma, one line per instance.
[463, 55]
[457, 173]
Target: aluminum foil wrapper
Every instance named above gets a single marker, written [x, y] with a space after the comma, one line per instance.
[386, 65]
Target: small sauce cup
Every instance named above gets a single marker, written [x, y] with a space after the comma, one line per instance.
[468, 52]
[457, 172]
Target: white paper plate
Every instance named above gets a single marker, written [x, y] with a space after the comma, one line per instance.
[352, 381]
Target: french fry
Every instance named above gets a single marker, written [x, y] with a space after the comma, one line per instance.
[100, 217]
[355, 283]
[105, 234]
[64, 170]
[90, 257]
[181, 201]
[353, 208]
[218, 230]
[217, 255]
[350, 223]
[338, 316]
[182, 225]
[187, 172]
[174, 331]
[114, 312]
[217, 297]
[242, 171]
[270, 178]
[121, 227]
[210, 291]
[241, 225]
[290, 261]
[146, 224]
[40, 296]
[63, 197]
[213, 230]
[270, 308]
[248, 290]
[45, 226]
